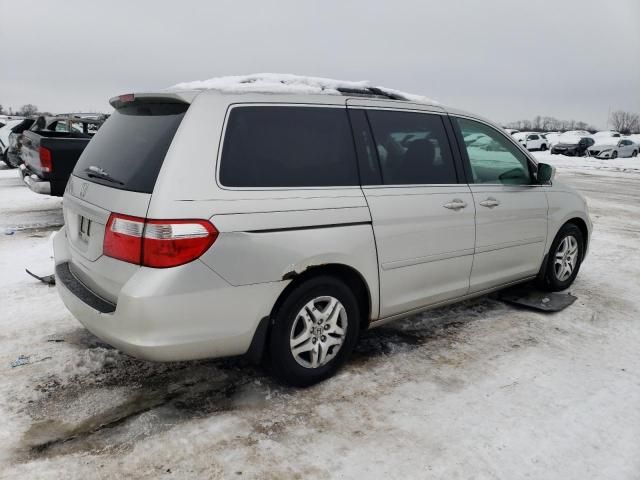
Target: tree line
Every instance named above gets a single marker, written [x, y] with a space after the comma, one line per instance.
[27, 110]
[621, 121]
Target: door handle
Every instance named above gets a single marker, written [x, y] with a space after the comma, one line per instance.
[490, 202]
[455, 204]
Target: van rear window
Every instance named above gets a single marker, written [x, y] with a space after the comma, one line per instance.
[288, 146]
[128, 150]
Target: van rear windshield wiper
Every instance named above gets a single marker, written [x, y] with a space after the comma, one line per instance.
[97, 172]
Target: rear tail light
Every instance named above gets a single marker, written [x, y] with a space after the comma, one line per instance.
[157, 243]
[169, 243]
[45, 159]
[123, 238]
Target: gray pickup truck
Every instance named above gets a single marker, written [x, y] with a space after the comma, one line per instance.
[50, 150]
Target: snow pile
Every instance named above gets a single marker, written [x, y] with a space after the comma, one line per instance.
[287, 83]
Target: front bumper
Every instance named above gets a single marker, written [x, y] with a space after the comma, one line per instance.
[34, 182]
[564, 151]
[173, 314]
[601, 155]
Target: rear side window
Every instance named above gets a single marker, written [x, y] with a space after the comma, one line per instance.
[413, 148]
[288, 147]
[129, 149]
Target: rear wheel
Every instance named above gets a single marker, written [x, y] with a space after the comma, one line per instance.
[635, 153]
[314, 331]
[564, 259]
[543, 147]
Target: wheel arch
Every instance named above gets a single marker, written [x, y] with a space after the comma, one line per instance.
[582, 225]
[347, 274]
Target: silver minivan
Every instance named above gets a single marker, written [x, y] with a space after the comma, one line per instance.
[213, 223]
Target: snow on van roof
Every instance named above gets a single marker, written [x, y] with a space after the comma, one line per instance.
[288, 83]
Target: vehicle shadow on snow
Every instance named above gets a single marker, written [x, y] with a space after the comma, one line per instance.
[110, 400]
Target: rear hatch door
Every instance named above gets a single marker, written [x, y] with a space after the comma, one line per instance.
[116, 173]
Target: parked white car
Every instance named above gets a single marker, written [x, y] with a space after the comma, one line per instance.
[210, 223]
[614, 147]
[5, 131]
[634, 137]
[511, 131]
[532, 140]
[606, 134]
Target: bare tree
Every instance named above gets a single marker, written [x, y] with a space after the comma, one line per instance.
[537, 123]
[1, 109]
[625, 122]
[28, 110]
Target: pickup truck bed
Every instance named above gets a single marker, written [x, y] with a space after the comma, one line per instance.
[49, 158]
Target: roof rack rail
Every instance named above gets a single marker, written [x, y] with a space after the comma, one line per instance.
[370, 92]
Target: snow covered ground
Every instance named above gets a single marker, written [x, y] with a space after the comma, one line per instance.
[478, 390]
[574, 164]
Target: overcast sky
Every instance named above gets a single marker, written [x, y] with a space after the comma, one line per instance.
[505, 59]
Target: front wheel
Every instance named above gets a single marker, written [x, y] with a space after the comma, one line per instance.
[314, 331]
[614, 154]
[543, 147]
[564, 259]
[635, 153]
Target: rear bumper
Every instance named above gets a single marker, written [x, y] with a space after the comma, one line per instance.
[34, 182]
[182, 313]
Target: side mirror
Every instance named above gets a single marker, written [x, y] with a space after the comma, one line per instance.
[546, 173]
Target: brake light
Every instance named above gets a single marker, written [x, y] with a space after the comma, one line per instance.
[45, 159]
[123, 238]
[157, 243]
[127, 97]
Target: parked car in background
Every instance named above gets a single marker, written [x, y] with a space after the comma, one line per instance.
[552, 138]
[5, 131]
[581, 133]
[50, 154]
[12, 157]
[634, 137]
[511, 131]
[606, 134]
[333, 213]
[4, 119]
[614, 147]
[572, 145]
[532, 140]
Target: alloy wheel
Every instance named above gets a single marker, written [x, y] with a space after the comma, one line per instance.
[318, 332]
[566, 258]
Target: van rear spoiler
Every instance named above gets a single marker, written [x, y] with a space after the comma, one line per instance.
[168, 97]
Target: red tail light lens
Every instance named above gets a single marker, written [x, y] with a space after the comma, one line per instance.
[157, 243]
[123, 238]
[45, 159]
[169, 243]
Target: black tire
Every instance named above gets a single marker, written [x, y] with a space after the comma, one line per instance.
[548, 278]
[614, 155]
[283, 364]
[635, 153]
[543, 147]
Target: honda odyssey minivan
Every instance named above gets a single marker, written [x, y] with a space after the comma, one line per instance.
[213, 223]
